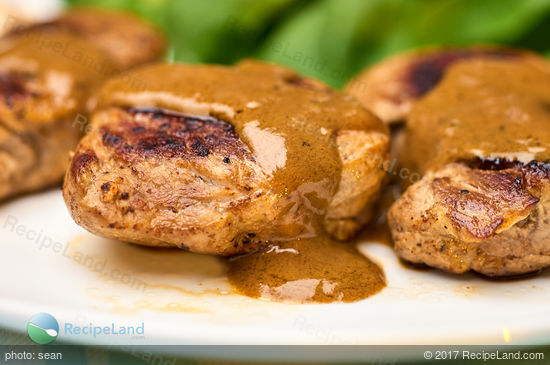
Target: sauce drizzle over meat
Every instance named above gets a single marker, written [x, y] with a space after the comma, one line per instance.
[293, 143]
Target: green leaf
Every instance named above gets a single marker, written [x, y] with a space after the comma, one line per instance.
[334, 39]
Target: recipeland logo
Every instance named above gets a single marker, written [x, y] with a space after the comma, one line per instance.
[43, 329]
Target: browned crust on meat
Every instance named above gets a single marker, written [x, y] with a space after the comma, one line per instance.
[490, 218]
[168, 134]
[483, 211]
[111, 190]
[12, 87]
[80, 161]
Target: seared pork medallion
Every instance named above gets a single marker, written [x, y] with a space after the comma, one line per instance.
[41, 94]
[47, 75]
[230, 160]
[123, 37]
[221, 159]
[481, 140]
[392, 87]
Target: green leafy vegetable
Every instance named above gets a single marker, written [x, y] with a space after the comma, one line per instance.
[334, 39]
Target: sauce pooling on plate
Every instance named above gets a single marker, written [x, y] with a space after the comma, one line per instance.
[308, 270]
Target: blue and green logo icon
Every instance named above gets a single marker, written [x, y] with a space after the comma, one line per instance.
[43, 328]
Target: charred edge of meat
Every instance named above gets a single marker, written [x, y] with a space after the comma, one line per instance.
[12, 87]
[171, 134]
[81, 161]
[425, 73]
[305, 83]
[534, 170]
[506, 187]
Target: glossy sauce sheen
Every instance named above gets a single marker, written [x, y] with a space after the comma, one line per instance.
[482, 110]
[294, 144]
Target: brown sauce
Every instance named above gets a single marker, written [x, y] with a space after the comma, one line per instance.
[61, 61]
[308, 270]
[290, 126]
[428, 71]
[58, 50]
[482, 110]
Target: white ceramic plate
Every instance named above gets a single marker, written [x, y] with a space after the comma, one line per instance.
[49, 264]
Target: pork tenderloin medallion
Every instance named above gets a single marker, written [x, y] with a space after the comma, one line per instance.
[125, 38]
[222, 160]
[48, 75]
[41, 94]
[391, 87]
[481, 140]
